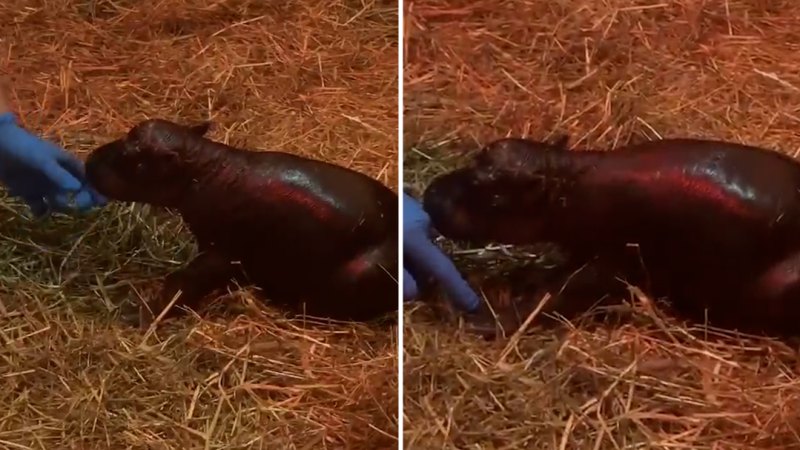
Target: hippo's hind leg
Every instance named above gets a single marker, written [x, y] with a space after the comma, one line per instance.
[365, 287]
[203, 275]
[771, 304]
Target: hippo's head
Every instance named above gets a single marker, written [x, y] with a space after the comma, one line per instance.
[147, 164]
[502, 196]
[518, 158]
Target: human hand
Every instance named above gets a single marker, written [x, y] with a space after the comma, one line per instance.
[425, 255]
[46, 177]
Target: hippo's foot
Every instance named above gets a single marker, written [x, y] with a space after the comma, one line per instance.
[130, 317]
[128, 312]
[503, 320]
[503, 315]
[185, 288]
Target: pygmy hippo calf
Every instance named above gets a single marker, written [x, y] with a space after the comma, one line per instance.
[712, 226]
[304, 231]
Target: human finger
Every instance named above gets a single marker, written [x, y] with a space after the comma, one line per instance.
[410, 288]
[59, 176]
[433, 261]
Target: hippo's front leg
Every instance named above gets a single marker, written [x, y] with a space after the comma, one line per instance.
[570, 292]
[203, 275]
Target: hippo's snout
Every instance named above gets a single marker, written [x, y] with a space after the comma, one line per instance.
[101, 156]
[447, 202]
[103, 173]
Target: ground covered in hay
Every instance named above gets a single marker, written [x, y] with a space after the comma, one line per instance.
[607, 73]
[315, 78]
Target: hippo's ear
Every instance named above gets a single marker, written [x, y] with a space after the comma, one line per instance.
[200, 129]
[481, 157]
[560, 142]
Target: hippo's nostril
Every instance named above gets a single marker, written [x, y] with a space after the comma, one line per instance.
[90, 166]
[93, 163]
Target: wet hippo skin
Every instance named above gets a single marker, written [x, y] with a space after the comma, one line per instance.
[713, 227]
[313, 236]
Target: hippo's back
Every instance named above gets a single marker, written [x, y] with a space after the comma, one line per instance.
[280, 211]
[766, 171]
[712, 198]
[734, 182]
[348, 196]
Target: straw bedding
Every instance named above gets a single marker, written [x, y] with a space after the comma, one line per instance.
[607, 73]
[314, 78]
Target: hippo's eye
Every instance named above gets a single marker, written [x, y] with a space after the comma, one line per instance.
[131, 146]
[500, 201]
[167, 139]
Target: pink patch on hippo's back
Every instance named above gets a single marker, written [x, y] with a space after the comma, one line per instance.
[357, 266]
[281, 192]
[673, 180]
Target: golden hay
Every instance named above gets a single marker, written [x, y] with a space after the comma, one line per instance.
[316, 78]
[606, 72]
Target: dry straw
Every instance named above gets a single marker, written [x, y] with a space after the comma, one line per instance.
[315, 78]
[608, 73]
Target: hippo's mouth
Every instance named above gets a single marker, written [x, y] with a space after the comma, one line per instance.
[108, 184]
[447, 202]
[102, 176]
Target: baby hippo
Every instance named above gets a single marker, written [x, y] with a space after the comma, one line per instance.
[712, 226]
[305, 232]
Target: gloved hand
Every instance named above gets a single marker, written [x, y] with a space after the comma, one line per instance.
[428, 258]
[42, 174]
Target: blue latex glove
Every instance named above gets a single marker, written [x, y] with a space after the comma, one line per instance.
[423, 253]
[42, 174]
